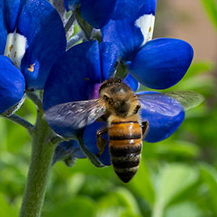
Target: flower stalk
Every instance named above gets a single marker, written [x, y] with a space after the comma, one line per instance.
[39, 170]
[19, 120]
[69, 23]
[86, 27]
[35, 99]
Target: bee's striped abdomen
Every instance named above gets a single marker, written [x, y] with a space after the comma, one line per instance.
[125, 148]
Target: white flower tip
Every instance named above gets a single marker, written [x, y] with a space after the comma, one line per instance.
[15, 47]
[146, 25]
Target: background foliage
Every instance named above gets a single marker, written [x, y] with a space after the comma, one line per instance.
[177, 177]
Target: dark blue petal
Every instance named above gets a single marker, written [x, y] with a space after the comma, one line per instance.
[3, 29]
[71, 4]
[97, 13]
[72, 74]
[90, 140]
[46, 40]
[131, 82]
[11, 13]
[124, 30]
[148, 7]
[131, 8]
[70, 80]
[125, 35]
[161, 63]
[12, 84]
[163, 113]
[108, 57]
[66, 150]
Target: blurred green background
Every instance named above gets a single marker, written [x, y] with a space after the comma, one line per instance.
[176, 178]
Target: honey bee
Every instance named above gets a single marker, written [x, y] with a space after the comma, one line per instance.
[119, 106]
[125, 129]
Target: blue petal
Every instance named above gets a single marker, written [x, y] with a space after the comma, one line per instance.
[123, 30]
[97, 13]
[66, 150]
[46, 40]
[108, 57]
[70, 80]
[72, 74]
[11, 13]
[3, 30]
[90, 140]
[12, 84]
[125, 35]
[131, 8]
[131, 82]
[71, 4]
[163, 113]
[149, 7]
[161, 63]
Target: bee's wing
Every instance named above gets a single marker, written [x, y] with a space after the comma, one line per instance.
[188, 99]
[162, 102]
[75, 114]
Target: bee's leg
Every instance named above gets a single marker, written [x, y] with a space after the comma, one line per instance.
[101, 142]
[144, 127]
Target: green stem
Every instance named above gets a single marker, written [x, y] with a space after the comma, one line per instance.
[35, 99]
[158, 210]
[69, 23]
[39, 170]
[19, 120]
[86, 27]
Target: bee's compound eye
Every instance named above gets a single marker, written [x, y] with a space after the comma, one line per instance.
[110, 101]
[105, 97]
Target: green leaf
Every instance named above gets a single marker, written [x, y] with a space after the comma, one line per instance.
[3, 131]
[79, 206]
[118, 203]
[17, 136]
[211, 8]
[128, 199]
[172, 149]
[183, 210]
[173, 180]
[200, 67]
[142, 184]
[6, 209]
[209, 176]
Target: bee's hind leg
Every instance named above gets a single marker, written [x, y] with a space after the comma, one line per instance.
[101, 142]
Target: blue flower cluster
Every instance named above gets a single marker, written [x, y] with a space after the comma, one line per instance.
[31, 39]
[33, 56]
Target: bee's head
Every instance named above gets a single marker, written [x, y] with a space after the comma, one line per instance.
[118, 97]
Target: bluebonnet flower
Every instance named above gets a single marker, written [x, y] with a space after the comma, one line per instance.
[68, 151]
[30, 41]
[98, 13]
[158, 63]
[76, 76]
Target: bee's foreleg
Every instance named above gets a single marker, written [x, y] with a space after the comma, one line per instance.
[101, 142]
[144, 127]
